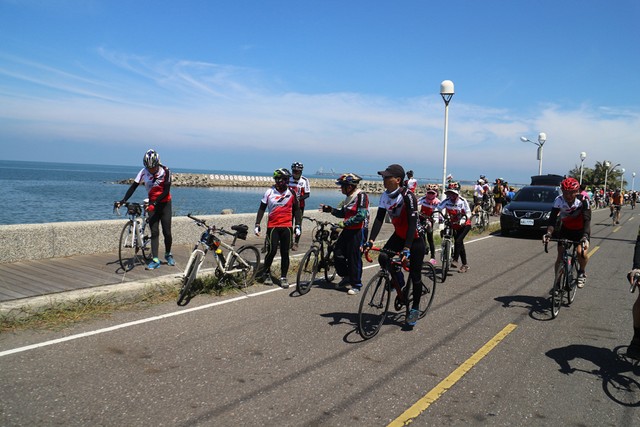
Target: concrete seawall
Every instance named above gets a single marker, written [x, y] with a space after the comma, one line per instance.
[52, 240]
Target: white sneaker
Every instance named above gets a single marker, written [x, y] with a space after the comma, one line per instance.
[355, 290]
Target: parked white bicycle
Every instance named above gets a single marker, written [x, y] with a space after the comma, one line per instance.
[236, 268]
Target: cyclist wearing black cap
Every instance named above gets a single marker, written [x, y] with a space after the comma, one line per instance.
[355, 211]
[402, 206]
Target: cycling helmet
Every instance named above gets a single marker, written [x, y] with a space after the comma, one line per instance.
[297, 166]
[452, 190]
[410, 173]
[282, 173]
[151, 159]
[432, 188]
[570, 184]
[348, 179]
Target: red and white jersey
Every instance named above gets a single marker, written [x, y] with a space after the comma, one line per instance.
[427, 207]
[400, 205]
[300, 188]
[412, 184]
[456, 210]
[154, 183]
[571, 215]
[280, 207]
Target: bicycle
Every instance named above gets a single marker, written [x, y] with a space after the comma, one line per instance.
[135, 238]
[480, 219]
[376, 295]
[615, 218]
[446, 244]
[565, 284]
[237, 267]
[319, 256]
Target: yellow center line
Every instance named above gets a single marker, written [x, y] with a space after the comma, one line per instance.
[593, 251]
[421, 405]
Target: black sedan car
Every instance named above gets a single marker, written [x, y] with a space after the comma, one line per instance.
[529, 210]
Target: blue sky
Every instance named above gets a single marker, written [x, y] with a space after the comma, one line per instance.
[349, 85]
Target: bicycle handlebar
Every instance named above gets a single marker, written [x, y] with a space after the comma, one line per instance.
[396, 257]
[117, 205]
[319, 222]
[562, 242]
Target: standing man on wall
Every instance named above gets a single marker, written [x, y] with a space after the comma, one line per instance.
[299, 185]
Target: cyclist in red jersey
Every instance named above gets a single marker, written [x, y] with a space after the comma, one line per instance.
[428, 204]
[157, 179]
[457, 208]
[573, 213]
[355, 211]
[402, 206]
[284, 211]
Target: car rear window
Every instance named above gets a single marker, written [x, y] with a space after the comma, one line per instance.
[542, 195]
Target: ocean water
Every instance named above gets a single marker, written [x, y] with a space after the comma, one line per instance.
[40, 192]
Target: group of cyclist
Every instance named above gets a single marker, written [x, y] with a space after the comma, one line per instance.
[412, 219]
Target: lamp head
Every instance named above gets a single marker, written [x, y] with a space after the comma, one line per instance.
[446, 88]
[583, 156]
[524, 139]
[542, 137]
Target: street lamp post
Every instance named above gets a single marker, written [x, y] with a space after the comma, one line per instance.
[622, 179]
[633, 181]
[583, 156]
[608, 169]
[447, 92]
[542, 138]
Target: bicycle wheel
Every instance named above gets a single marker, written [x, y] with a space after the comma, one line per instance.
[247, 259]
[484, 220]
[428, 288]
[571, 282]
[187, 290]
[307, 271]
[127, 250]
[445, 259]
[373, 305]
[329, 266]
[556, 293]
[145, 247]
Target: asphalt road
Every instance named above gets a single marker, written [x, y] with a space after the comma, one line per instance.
[278, 359]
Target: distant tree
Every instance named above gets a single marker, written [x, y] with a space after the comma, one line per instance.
[595, 177]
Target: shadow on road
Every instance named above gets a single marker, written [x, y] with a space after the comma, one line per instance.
[610, 367]
[539, 307]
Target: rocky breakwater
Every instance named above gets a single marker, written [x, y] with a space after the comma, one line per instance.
[222, 180]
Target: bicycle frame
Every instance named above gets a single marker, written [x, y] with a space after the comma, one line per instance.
[394, 266]
[569, 264]
[133, 235]
[207, 241]
[318, 256]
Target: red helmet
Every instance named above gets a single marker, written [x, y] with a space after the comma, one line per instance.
[570, 184]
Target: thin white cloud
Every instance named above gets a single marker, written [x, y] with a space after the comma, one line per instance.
[203, 107]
